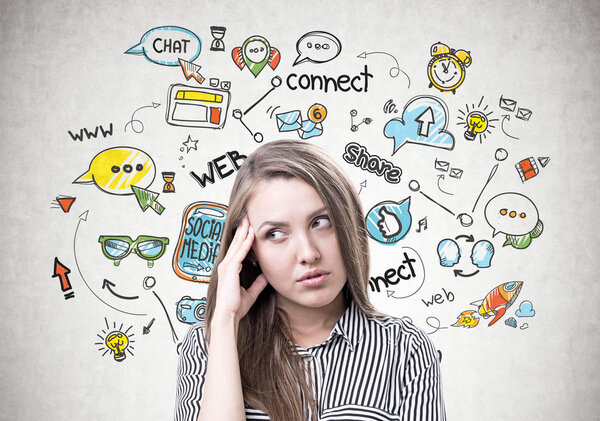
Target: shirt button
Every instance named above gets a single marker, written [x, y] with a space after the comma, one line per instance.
[309, 358]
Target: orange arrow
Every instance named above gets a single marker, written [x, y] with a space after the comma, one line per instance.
[61, 271]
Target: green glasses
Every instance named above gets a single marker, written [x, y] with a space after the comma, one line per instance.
[118, 247]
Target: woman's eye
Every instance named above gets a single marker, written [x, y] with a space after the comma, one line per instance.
[274, 235]
[321, 221]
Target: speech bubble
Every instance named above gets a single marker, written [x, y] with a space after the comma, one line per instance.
[115, 170]
[511, 214]
[424, 121]
[165, 45]
[388, 222]
[317, 47]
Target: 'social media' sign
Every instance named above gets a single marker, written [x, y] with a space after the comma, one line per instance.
[199, 241]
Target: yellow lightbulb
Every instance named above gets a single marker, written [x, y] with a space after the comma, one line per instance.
[477, 123]
[118, 342]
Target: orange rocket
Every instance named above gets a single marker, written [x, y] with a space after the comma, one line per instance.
[499, 300]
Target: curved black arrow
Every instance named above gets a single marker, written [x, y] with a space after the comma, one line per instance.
[459, 272]
[83, 217]
[507, 117]
[441, 177]
[107, 284]
[469, 238]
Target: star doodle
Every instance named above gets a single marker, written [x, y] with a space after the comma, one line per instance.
[191, 144]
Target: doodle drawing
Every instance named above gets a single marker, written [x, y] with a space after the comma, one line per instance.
[165, 45]
[62, 272]
[63, 202]
[191, 70]
[388, 222]
[116, 341]
[191, 106]
[115, 170]
[191, 310]
[447, 68]
[217, 32]
[516, 216]
[527, 169]
[317, 47]
[199, 241]
[467, 319]
[255, 53]
[118, 247]
[424, 121]
[292, 121]
[498, 300]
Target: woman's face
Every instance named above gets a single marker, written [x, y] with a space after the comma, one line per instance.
[295, 243]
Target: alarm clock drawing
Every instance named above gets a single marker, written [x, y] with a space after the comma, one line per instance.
[447, 68]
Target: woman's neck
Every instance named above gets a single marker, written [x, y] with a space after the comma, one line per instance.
[310, 326]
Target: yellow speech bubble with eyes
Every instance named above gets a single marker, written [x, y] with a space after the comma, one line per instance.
[115, 170]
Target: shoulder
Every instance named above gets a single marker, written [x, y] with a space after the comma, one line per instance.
[403, 334]
[194, 341]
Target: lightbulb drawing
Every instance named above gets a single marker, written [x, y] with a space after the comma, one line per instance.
[476, 121]
[116, 341]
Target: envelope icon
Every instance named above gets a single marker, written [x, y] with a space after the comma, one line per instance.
[441, 165]
[289, 121]
[456, 173]
[507, 104]
[523, 114]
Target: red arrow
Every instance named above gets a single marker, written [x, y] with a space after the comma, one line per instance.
[61, 271]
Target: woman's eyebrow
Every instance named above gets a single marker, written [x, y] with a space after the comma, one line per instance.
[317, 212]
[286, 225]
[273, 224]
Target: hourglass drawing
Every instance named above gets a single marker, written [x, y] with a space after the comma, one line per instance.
[168, 177]
[218, 32]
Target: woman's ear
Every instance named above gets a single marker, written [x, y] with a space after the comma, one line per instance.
[252, 258]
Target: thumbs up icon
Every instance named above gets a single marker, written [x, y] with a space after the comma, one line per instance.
[389, 225]
[388, 222]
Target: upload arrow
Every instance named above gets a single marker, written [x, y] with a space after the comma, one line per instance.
[425, 120]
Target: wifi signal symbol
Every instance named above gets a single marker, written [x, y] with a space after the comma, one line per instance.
[389, 107]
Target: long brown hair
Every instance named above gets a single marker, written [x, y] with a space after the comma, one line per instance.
[272, 373]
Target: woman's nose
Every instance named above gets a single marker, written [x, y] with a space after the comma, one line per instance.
[308, 252]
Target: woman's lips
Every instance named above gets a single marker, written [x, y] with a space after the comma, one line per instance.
[315, 280]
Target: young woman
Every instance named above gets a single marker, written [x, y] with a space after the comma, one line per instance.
[290, 333]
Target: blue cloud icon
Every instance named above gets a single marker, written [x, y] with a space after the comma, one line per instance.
[424, 122]
[525, 310]
[511, 322]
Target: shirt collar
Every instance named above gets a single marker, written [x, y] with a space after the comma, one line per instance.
[351, 325]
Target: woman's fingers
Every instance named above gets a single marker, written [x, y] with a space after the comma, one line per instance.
[240, 234]
[257, 286]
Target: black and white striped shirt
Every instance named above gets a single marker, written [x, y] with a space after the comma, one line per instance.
[369, 368]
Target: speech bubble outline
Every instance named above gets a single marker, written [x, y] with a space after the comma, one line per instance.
[389, 232]
[307, 56]
[505, 223]
[101, 170]
[424, 121]
[152, 36]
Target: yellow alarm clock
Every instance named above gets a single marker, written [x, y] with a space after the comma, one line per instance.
[447, 68]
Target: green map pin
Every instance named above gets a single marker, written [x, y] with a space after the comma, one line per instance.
[256, 52]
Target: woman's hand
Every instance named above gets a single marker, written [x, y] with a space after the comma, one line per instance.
[232, 298]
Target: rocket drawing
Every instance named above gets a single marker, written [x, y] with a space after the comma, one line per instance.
[498, 300]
